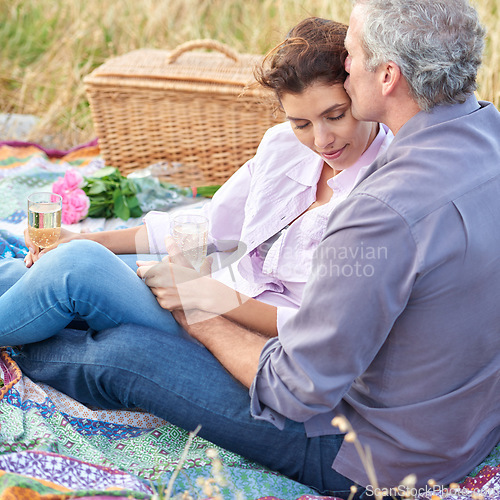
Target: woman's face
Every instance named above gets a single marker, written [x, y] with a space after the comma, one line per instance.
[321, 119]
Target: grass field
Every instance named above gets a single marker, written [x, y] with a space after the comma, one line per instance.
[48, 46]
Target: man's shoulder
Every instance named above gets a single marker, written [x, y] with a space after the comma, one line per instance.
[436, 159]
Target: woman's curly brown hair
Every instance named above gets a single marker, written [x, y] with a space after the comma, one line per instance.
[313, 50]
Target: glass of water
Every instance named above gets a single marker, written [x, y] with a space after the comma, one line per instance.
[190, 232]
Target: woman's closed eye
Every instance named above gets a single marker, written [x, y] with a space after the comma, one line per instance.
[338, 117]
[301, 126]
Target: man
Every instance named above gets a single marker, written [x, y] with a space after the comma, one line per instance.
[399, 328]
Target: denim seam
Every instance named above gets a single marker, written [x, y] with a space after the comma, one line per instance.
[28, 322]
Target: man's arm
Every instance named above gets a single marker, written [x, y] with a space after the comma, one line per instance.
[236, 348]
[362, 276]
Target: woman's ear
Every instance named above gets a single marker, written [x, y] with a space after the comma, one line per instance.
[390, 78]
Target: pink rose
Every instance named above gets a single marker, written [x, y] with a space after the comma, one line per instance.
[75, 206]
[72, 180]
[59, 186]
[75, 203]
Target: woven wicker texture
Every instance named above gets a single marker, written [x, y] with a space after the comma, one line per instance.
[183, 106]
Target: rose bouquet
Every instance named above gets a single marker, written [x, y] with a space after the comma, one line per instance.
[107, 194]
[104, 194]
[112, 195]
[75, 203]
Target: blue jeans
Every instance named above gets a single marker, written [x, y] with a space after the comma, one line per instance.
[179, 380]
[78, 280]
[164, 371]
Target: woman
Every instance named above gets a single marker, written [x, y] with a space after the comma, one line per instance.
[277, 205]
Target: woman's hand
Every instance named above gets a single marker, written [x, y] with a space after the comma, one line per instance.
[35, 252]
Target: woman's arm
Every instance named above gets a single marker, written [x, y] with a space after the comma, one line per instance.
[119, 241]
[122, 241]
[255, 315]
[246, 311]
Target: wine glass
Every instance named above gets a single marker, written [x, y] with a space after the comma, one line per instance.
[190, 232]
[44, 218]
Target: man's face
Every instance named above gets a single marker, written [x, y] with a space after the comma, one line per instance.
[361, 84]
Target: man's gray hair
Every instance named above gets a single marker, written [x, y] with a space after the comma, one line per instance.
[437, 44]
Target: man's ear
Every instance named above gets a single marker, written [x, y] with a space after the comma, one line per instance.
[390, 78]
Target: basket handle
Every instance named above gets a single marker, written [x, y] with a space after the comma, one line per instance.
[205, 44]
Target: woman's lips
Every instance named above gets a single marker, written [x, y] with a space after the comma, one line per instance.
[334, 154]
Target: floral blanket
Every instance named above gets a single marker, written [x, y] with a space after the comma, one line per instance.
[50, 442]
[53, 447]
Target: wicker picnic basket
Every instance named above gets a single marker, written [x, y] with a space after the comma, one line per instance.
[184, 107]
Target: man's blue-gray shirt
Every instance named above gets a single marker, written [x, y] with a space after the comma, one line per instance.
[399, 329]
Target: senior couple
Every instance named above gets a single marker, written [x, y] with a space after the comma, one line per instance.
[409, 352]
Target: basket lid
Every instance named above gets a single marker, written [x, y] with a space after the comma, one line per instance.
[224, 67]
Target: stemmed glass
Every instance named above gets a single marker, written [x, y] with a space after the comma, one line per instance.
[44, 218]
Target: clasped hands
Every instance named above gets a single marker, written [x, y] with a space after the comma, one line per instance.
[175, 283]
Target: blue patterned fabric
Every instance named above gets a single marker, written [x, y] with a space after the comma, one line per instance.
[11, 245]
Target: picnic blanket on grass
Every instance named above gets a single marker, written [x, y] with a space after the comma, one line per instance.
[52, 447]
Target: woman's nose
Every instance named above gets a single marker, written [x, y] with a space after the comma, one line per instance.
[323, 137]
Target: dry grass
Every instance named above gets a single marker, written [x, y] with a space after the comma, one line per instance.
[48, 46]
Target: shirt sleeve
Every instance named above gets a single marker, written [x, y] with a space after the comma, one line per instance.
[158, 226]
[362, 276]
[227, 208]
[283, 314]
[225, 213]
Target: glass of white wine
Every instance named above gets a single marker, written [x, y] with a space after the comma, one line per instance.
[44, 218]
[190, 232]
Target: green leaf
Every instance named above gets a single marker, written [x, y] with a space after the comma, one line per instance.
[103, 172]
[135, 212]
[112, 195]
[96, 211]
[207, 191]
[95, 187]
[133, 205]
[121, 208]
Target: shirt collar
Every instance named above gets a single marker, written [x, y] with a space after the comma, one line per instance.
[307, 170]
[438, 114]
